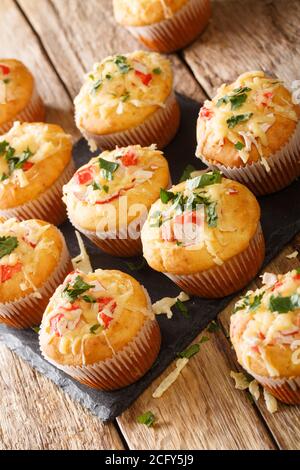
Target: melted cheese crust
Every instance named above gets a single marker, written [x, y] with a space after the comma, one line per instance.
[145, 12]
[76, 344]
[272, 122]
[122, 91]
[16, 89]
[39, 250]
[51, 151]
[267, 342]
[238, 218]
[134, 185]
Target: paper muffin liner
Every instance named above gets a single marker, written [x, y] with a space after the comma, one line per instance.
[120, 243]
[48, 205]
[28, 311]
[176, 32]
[33, 112]
[125, 367]
[233, 275]
[284, 169]
[159, 128]
[284, 389]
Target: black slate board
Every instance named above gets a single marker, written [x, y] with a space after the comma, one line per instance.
[280, 221]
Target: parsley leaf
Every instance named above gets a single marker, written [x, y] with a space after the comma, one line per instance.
[108, 168]
[182, 308]
[72, 292]
[36, 329]
[156, 219]
[206, 179]
[237, 98]
[147, 418]
[122, 64]
[125, 96]
[213, 327]
[239, 145]
[193, 349]
[166, 196]
[96, 186]
[7, 245]
[235, 120]
[94, 328]
[157, 71]
[136, 266]
[256, 302]
[89, 299]
[3, 146]
[284, 304]
[187, 173]
[96, 86]
[211, 214]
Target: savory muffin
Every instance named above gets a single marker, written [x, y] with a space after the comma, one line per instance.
[34, 260]
[128, 99]
[19, 100]
[108, 198]
[251, 132]
[205, 235]
[163, 25]
[35, 162]
[265, 333]
[100, 329]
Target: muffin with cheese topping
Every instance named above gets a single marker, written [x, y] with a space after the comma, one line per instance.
[205, 235]
[34, 260]
[128, 99]
[265, 333]
[108, 198]
[100, 329]
[35, 162]
[19, 99]
[163, 25]
[251, 132]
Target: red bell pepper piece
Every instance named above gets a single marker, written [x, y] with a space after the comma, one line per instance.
[7, 272]
[84, 176]
[4, 69]
[145, 77]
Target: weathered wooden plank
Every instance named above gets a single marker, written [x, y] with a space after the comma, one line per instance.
[284, 424]
[19, 41]
[76, 34]
[202, 410]
[35, 414]
[247, 35]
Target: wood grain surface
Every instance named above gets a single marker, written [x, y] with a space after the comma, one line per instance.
[202, 410]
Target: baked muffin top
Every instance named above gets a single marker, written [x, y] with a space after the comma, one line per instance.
[247, 121]
[29, 252]
[145, 12]
[265, 327]
[32, 157]
[95, 196]
[199, 224]
[122, 91]
[92, 316]
[16, 88]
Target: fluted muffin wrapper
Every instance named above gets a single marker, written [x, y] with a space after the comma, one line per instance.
[233, 275]
[284, 169]
[176, 32]
[123, 368]
[159, 128]
[117, 243]
[33, 112]
[48, 205]
[284, 389]
[28, 311]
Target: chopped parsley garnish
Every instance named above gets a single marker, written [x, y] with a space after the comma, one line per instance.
[108, 168]
[147, 418]
[3, 177]
[239, 145]
[182, 308]
[237, 98]
[247, 302]
[6, 81]
[96, 186]
[187, 173]
[108, 76]
[166, 196]
[193, 349]
[94, 328]
[125, 96]
[235, 120]
[3, 146]
[89, 299]
[36, 329]
[157, 71]
[136, 266]
[256, 302]
[72, 292]
[96, 86]
[7, 245]
[213, 327]
[122, 64]
[14, 162]
[211, 214]
[284, 304]
[206, 179]
[156, 219]
[105, 188]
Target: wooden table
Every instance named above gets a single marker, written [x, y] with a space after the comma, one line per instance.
[59, 40]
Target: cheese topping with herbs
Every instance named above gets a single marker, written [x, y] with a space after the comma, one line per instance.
[203, 221]
[244, 115]
[122, 91]
[26, 145]
[265, 326]
[93, 307]
[145, 12]
[133, 172]
[22, 246]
